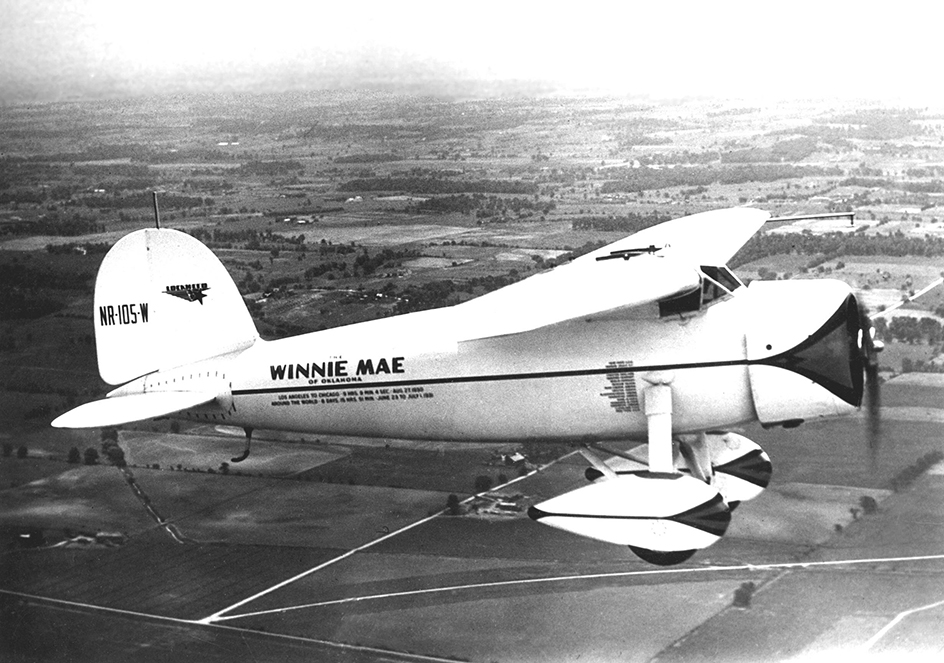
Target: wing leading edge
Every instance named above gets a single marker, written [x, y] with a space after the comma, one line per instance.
[654, 264]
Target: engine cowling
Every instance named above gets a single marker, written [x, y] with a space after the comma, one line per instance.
[803, 348]
[664, 518]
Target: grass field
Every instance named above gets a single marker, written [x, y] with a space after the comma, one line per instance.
[552, 624]
[211, 451]
[153, 574]
[275, 512]
[453, 470]
[78, 498]
[821, 612]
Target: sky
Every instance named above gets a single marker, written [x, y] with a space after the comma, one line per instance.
[61, 49]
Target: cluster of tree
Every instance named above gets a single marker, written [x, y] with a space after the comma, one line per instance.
[910, 474]
[26, 304]
[791, 151]
[439, 185]
[366, 263]
[929, 171]
[90, 457]
[490, 206]
[22, 197]
[126, 184]
[20, 275]
[626, 223]
[210, 185]
[744, 594]
[733, 111]
[365, 131]
[584, 248]
[63, 192]
[324, 268]
[102, 152]
[833, 245]
[193, 155]
[368, 158]
[908, 329]
[23, 171]
[95, 248]
[484, 206]
[25, 295]
[97, 171]
[461, 204]
[424, 296]
[326, 248]
[683, 157]
[110, 447]
[301, 211]
[909, 365]
[21, 452]
[634, 180]
[56, 225]
[253, 240]
[434, 294]
[143, 199]
[935, 186]
[878, 123]
[270, 168]
[633, 138]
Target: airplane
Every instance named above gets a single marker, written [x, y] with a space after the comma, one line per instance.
[650, 339]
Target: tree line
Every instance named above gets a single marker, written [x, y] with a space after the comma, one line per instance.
[484, 206]
[909, 329]
[635, 180]
[832, 245]
[626, 223]
[434, 185]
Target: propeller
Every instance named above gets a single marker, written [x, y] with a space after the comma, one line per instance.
[869, 348]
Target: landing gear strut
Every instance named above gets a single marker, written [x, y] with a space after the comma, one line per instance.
[245, 455]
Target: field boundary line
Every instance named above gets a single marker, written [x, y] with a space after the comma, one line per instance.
[218, 616]
[900, 617]
[264, 634]
[786, 566]
[101, 608]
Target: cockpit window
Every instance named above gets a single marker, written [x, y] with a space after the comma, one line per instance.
[690, 302]
[723, 276]
[716, 283]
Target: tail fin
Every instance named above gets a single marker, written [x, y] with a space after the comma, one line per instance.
[162, 299]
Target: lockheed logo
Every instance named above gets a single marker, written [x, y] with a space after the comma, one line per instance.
[192, 292]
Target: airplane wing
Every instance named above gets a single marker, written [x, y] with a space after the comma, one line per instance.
[707, 238]
[654, 264]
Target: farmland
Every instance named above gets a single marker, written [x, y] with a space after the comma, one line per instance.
[333, 208]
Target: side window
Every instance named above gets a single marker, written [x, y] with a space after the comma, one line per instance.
[690, 302]
[716, 283]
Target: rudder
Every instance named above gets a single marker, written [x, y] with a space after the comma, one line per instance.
[163, 299]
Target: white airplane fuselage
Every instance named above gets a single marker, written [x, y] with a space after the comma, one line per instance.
[578, 382]
[412, 377]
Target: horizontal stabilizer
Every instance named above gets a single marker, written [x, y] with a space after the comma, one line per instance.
[125, 409]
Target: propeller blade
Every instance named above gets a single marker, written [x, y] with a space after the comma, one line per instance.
[870, 349]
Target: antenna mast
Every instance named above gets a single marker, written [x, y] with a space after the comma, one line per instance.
[157, 211]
